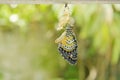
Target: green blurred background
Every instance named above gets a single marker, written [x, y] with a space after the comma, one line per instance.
[28, 50]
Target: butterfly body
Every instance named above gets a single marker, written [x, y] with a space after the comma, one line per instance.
[67, 45]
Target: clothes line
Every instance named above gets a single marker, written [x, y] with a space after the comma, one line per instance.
[57, 1]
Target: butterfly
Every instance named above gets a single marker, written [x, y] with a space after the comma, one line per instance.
[67, 45]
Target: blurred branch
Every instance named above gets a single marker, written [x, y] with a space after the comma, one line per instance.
[114, 9]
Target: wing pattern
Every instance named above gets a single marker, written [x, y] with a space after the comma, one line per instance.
[67, 46]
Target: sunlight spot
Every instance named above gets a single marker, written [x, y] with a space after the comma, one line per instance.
[13, 18]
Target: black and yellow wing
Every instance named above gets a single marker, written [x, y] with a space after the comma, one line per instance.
[67, 46]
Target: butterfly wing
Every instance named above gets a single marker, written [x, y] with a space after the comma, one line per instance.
[67, 46]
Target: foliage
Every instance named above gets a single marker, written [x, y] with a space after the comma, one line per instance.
[28, 51]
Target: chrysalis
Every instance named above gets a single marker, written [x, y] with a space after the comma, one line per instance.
[64, 18]
[67, 45]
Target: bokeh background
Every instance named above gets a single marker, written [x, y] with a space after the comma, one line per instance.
[28, 50]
